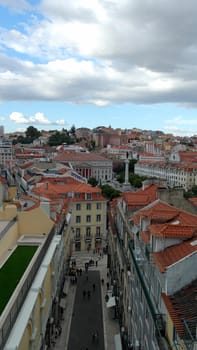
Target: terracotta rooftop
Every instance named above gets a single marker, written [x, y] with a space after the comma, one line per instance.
[161, 212]
[141, 197]
[78, 156]
[182, 306]
[172, 231]
[164, 259]
[52, 191]
[157, 211]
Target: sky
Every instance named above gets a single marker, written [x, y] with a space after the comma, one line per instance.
[125, 64]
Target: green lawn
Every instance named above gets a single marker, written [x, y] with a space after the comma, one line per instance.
[12, 271]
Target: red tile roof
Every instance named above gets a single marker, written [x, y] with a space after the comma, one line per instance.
[141, 197]
[172, 231]
[51, 190]
[182, 306]
[164, 259]
[161, 212]
[157, 211]
[78, 156]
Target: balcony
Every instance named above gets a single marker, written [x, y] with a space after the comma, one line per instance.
[88, 238]
[98, 238]
[77, 238]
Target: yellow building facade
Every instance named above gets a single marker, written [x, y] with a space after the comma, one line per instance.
[88, 221]
[35, 301]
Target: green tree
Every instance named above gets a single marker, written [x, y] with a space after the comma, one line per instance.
[136, 180]
[32, 133]
[109, 192]
[73, 130]
[58, 138]
[93, 181]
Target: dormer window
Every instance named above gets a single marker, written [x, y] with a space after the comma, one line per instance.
[88, 196]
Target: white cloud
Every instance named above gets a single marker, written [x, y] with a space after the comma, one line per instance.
[182, 121]
[18, 117]
[101, 52]
[38, 119]
[179, 131]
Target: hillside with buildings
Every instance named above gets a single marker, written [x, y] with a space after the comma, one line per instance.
[52, 217]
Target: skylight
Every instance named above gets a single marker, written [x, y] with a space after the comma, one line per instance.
[194, 243]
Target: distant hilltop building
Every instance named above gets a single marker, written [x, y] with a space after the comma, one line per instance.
[1, 131]
[108, 136]
[6, 150]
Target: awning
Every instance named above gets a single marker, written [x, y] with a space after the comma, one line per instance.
[63, 303]
[117, 342]
[111, 302]
[66, 287]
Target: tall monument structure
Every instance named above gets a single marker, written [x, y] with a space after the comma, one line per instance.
[127, 185]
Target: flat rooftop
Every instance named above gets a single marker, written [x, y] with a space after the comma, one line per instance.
[12, 271]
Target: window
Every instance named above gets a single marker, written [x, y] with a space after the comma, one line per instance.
[98, 205]
[78, 206]
[77, 195]
[78, 232]
[88, 218]
[88, 232]
[88, 206]
[78, 219]
[88, 195]
[98, 218]
[98, 231]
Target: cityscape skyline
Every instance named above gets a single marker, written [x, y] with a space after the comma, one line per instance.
[125, 65]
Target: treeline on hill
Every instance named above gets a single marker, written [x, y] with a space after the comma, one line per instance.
[31, 134]
[56, 138]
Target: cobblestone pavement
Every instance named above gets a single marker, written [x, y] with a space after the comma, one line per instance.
[110, 325]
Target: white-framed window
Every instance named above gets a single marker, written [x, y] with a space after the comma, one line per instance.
[88, 206]
[88, 218]
[88, 195]
[78, 219]
[98, 205]
[98, 218]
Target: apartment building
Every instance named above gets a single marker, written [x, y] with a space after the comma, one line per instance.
[32, 260]
[181, 174]
[152, 259]
[30, 172]
[6, 152]
[88, 218]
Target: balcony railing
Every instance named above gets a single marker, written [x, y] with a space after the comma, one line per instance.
[77, 238]
[88, 238]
